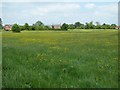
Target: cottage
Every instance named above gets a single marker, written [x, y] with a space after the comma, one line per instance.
[7, 27]
[56, 26]
[118, 27]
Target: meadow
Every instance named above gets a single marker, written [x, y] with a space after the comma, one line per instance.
[60, 59]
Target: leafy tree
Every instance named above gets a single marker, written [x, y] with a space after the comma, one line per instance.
[26, 26]
[15, 28]
[98, 26]
[1, 23]
[97, 23]
[77, 24]
[38, 23]
[90, 25]
[47, 28]
[21, 28]
[82, 26]
[113, 26]
[71, 26]
[39, 27]
[106, 26]
[33, 28]
[64, 27]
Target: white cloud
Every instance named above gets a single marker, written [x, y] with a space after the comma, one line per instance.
[51, 13]
[112, 8]
[55, 8]
[90, 6]
[107, 10]
[60, 0]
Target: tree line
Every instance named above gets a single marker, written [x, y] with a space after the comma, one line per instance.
[64, 27]
[40, 26]
[77, 25]
[37, 27]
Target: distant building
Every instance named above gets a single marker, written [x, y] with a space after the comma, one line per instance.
[7, 27]
[118, 27]
[58, 26]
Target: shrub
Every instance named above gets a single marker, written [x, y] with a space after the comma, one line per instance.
[15, 28]
[64, 27]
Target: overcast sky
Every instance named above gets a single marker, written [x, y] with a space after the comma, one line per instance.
[54, 12]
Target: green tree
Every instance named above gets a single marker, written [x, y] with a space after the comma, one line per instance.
[26, 26]
[113, 26]
[21, 28]
[97, 23]
[38, 23]
[77, 24]
[15, 28]
[82, 26]
[64, 27]
[33, 28]
[47, 27]
[98, 26]
[106, 26]
[71, 26]
[1, 24]
[90, 25]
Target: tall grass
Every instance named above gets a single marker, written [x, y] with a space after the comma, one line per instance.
[79, 59]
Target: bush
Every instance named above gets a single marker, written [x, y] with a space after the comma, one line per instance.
[21, 28]
[15, 28]
[64, 27]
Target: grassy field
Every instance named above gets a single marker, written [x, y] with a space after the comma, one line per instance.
[79, 59]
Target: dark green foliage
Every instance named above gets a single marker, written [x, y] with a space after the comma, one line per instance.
[98, 27]
[16, 28]
[26, 26]
[71, 26]
[77, 24]
[113, 26]
[32, 28]
[64, 27]
[106, 26]
[47, 28]
[90, 25]
[21, 28]
[38, 23]
[39, 26]
[1, 24]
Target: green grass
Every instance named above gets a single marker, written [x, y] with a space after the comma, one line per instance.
[49, 59]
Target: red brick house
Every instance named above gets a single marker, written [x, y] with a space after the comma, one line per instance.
[7, 27]
[56, 26]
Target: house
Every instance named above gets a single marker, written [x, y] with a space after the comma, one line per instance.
[7, 27]
[57, 26]
[118, 27]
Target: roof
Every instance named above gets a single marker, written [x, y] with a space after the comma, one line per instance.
[117, 26]
[56, 25]
[7, 24]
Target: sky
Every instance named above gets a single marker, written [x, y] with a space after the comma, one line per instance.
[54, 12]
[60, 0]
